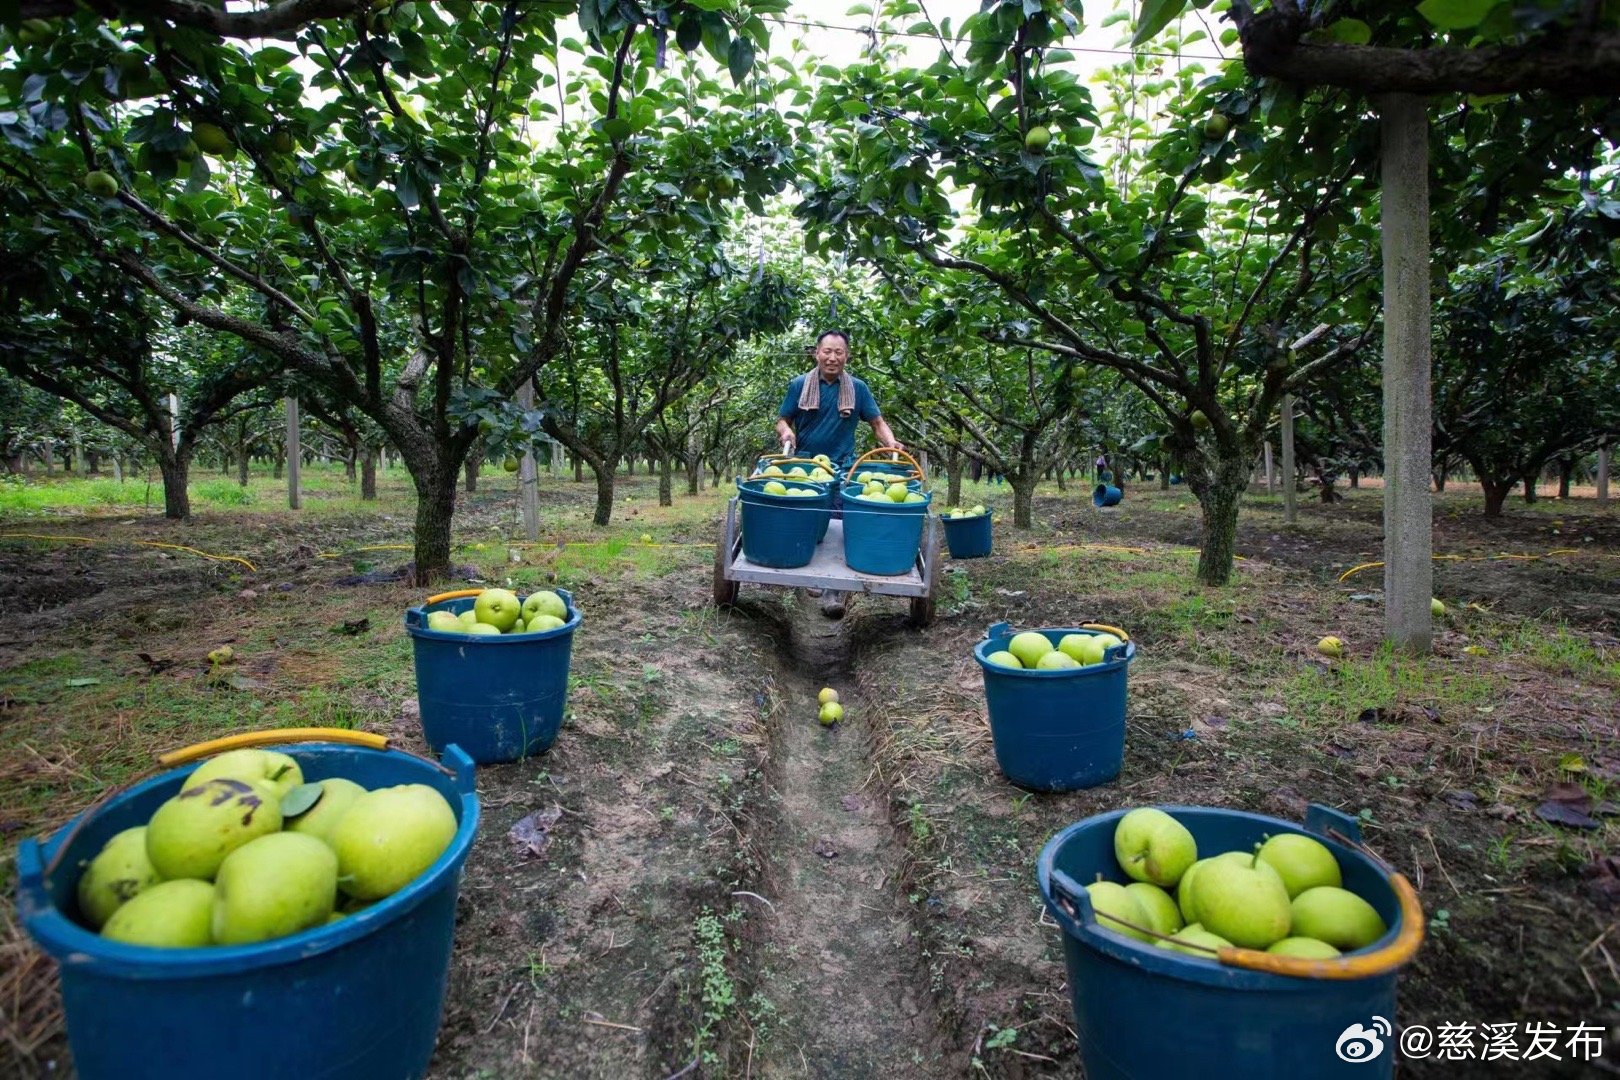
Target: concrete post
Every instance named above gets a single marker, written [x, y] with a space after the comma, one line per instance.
[1408, 514]
[1603, 475]
[295, 455]
[528, 476]
[1290, 496]
[1271, 470]
[174, 420]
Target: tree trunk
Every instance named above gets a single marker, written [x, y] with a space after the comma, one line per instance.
[714, 479]
[1566, 468]
[1061, 483]
[176, 468]
[1439, 481]
[666, 473]
[1530, 488]
[242, 460]
[1355, 479]
[474, 460]
[435, 507]
[1219, 486]
[350, 453]
[953, 480]
[604, 492]
[1164, 475]
[276, 475]
[579, 469]
[629, 466]
[1496, 493]
[368, 475]
[1023, 484]
[694, 475]
[224, 463]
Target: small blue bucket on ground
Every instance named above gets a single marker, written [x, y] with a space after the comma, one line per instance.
[782, 531]
[355, 999]
[1106, 495]
[1059, 730]
[967, 537]
[880, 536]
[498, 698]
[1254, 1024]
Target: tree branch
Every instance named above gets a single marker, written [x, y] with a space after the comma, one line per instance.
[277, 18]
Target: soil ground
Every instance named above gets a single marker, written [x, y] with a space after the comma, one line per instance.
[727, 888]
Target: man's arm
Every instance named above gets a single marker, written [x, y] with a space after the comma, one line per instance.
[880, 428]
[784, 433]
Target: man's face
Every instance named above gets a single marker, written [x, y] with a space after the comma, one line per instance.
[831, 355]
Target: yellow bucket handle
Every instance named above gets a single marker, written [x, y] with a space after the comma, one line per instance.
[1116, 631]
[273, 737]
[457, 594]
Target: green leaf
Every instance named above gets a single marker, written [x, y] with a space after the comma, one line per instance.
[1156, 15]
[740, 59]
[1456, 14]
[1347, 32]
[301, 799]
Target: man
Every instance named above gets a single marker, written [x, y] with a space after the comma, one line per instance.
[820, 418]
[819, 415]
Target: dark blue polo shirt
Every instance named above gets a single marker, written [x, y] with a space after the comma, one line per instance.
[823, 431]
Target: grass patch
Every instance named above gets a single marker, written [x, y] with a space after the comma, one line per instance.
[1387, 681]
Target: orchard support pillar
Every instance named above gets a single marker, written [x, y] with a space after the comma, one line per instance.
[528, 475]
[1290, 500]
[1408, 516]
[1603, 475]
[295, 455]
[1271, 470]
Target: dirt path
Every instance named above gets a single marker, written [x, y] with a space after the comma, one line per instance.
[839, 960]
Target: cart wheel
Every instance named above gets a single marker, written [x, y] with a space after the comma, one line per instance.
[725, 590]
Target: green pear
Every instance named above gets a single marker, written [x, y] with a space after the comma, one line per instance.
[1308, 948]
[273, 886]
[445, 622]
[1153, 846]
[389, 836]
[1193, 934]
[1162, 914]
[279, 770]
[467, 618]
[169, 915]
[1301, 861]
[119, 872]
[190, 835]
[1003, 658]
[1186, 897]
[1244, 902]
[1029, 647]
[1056, 661]
[1111, 899]
[1338, 917]
[337, 795]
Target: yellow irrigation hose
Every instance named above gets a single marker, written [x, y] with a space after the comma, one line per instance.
[1469, 558]
[141, 543]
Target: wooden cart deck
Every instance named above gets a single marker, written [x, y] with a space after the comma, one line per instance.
[826, 569]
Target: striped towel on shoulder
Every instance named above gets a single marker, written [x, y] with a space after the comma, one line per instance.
[810, 393]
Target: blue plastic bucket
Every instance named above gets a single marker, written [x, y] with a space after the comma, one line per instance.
[1249, 1024]
[1106, 495]
[882, 537]
[353, 1000]
[1056, 730]
[782, 531]
[967, 537]
[498, 698]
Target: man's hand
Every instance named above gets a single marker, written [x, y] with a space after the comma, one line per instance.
[895, 444]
